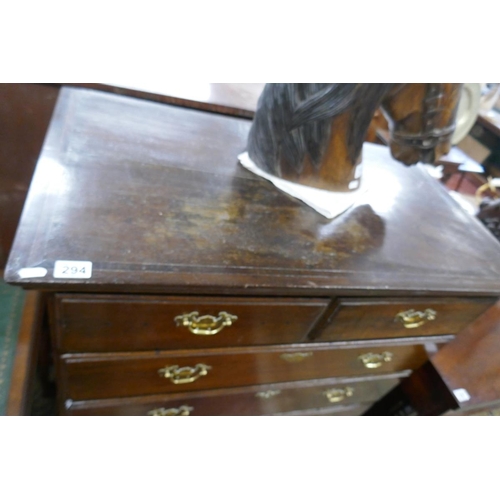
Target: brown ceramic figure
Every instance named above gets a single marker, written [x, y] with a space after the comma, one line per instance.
[313, 133]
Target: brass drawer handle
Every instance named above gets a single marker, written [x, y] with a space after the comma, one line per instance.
[267, 394]
[182, 411]
[296, 357]
[371, 360]
[185, 374]
[414, 319]
[205, 325]
[336, 395]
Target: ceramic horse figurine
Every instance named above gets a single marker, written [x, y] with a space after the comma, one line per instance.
[313, 133]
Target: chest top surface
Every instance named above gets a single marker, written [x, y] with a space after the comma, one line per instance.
[154, 197]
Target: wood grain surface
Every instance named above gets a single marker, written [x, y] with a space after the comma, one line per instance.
[93, 323]
[92, 376]
[253, 400]
[154, 196]
[370, 318]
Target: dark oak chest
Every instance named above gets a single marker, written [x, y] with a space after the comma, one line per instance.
[180, 283]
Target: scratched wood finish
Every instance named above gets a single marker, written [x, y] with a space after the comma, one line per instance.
[87, 376]
[92, 323]
[25, 111]
[161, 205]
[255, 400]
[370, 319]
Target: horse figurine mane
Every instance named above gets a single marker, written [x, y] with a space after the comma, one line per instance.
[313, 133]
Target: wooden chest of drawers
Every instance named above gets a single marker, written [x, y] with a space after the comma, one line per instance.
[180, 284]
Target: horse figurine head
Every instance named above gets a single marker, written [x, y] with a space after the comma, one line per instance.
[421, 120]
[313, 133]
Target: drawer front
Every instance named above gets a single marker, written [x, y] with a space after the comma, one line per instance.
[124, 375]
[331, 411]
[357, 319]
[256, 400]
[97, 323]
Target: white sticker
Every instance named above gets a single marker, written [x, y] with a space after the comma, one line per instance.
[73, 269]
[462, 395]
[358, 171]
[32, 272]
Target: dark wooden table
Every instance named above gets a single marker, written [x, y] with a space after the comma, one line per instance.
[153, 196]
